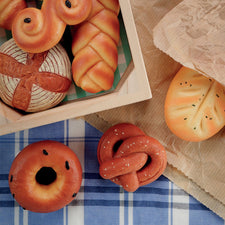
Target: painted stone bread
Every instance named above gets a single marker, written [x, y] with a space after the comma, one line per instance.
[94, 47]
[129, 157]
[37, 30]
[45, 176]
[194, 106]
[33, 82]
[9, 10]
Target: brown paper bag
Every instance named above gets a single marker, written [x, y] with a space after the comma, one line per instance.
[198, 168]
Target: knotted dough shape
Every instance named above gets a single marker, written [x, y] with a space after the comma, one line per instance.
[130, 158]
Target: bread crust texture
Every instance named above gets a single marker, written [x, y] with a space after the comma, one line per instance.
[194, 106]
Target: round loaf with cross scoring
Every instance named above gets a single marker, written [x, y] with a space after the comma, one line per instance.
[33, 82]
[194, 106]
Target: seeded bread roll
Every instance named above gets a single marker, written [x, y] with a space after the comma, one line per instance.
[8, 11]
[45, 176]
[194, 106]
[129, 157]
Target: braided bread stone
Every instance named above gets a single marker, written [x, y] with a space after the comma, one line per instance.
[95, 47]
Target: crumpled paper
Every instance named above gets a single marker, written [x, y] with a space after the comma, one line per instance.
[198, 168]
[193, 34]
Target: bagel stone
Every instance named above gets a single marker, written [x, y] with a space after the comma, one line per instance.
[33, 82]
[194, 106]
[45, 176]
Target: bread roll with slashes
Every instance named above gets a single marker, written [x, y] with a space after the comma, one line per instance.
[194, 106]
[8, 11]
[33, 82]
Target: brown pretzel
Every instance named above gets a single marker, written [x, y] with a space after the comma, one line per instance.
[37, 30]
[8, 11]
[139, 159]
[95, 47]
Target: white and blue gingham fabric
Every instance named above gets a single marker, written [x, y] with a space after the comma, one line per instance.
[99, 201]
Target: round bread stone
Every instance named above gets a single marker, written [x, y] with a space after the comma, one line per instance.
[33, 82]
[194, 106]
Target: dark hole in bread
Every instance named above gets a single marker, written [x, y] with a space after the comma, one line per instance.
[147, 162]
[117, 145]
[46, 176]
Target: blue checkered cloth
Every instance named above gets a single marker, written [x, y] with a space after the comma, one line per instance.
[99, 201]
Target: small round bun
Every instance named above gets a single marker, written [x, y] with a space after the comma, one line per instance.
[194, 106]
[45, 176]
[33, 82]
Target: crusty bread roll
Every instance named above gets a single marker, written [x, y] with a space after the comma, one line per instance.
[33, 82]
[95, 47]
[37, 30]
[194, 106]
[8, 11]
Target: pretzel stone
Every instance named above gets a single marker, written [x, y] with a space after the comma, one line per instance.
[37, 30]
[130, 158]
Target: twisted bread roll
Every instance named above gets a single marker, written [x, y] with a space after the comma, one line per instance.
[194, 106]
[128, 157]
[37, 30]
[95, 47]
[8, 11]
